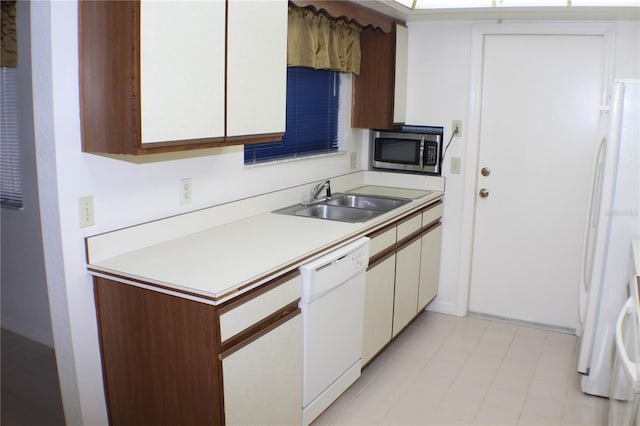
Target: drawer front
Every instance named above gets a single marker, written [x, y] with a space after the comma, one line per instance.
[383, 241]
[409, 226]
[249, 313]
[431, 215]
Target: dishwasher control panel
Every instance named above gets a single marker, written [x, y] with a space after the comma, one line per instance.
[323, 274]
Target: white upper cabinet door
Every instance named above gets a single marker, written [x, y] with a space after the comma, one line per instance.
[257, 67]
[400, 87]
[182, 70]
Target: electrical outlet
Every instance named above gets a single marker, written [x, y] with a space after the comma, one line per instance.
[185, 191]
[456, 124]
[455, 165]
[352, 160]
[87, 214]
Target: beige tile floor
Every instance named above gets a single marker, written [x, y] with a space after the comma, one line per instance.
[446, 370]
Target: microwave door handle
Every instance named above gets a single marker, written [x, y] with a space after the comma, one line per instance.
[422, 153]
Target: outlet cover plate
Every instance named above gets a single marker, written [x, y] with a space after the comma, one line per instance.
[87, 213]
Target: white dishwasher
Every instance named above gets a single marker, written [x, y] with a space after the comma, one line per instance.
[332, 305]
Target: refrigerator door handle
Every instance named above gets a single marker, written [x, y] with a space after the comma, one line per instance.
[592, 221]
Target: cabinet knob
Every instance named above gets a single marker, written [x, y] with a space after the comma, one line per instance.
[484, 193]
[485, 171]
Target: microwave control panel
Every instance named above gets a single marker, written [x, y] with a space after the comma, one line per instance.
[430, 154]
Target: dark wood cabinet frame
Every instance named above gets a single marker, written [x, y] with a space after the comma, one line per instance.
[110, 104]
[162, 354]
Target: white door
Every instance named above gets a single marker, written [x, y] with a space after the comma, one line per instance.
[540, 104]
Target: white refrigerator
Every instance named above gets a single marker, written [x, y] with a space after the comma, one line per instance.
[614, 221]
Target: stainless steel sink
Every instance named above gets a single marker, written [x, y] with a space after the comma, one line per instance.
[345, 207]
[344, 214]
[368, 202]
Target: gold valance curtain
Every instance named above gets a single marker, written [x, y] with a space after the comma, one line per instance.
[321, 42]
[9, 40]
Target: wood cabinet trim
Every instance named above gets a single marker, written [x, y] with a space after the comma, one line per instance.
[373, 89]
[258, 330]
[431, 206]
[258, 291]
[110, 85]
[434, 220]
[382, 230]
[253, 139]
[160, 345]
[416, 235]
[381, 257]
[409, 217]
[108, 112]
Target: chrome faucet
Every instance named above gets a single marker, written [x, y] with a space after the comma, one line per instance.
[318, 188]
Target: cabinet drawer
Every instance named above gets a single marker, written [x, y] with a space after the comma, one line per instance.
[432, 214]
[382, 241]
[409, 226]
[238, 319]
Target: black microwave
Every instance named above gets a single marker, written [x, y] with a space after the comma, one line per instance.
[414, 149]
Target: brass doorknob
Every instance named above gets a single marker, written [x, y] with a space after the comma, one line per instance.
[484, 193]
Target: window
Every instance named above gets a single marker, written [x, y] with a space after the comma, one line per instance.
[10, 178]
[312, 117]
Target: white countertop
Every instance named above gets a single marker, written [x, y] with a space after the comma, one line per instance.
[216, 263]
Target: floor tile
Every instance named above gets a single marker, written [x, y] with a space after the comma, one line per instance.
[505, 398]
[470, 371]
[496, 416]
[544, 407]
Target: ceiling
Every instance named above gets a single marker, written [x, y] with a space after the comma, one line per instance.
[506, 9]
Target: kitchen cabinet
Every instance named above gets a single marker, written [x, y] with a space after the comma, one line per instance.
[402, 277]
[177, 360]
[405, 304]
[261, 379]
[378, 311]
[256, 72]
[170, 76]
[181, 77]
[379, 91]
[429, 265]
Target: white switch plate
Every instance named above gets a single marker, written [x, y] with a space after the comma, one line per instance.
[87, 214]
[185, 191]
[455, 165]
[352, 160]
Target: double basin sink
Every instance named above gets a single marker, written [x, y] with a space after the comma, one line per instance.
[346, 207]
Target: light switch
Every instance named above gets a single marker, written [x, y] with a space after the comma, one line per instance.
[455, 165]
[87, 214]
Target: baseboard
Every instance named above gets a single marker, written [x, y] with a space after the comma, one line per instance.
[445, 308]
[41, 336]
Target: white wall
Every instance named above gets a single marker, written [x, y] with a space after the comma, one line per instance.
[439, 91]
[25, 305]
[124, 194]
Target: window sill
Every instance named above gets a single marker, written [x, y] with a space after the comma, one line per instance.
[292, 159]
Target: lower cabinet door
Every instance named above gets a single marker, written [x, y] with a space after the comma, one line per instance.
[378, 308]
[429, 266]
[263, 380]
[405, 305]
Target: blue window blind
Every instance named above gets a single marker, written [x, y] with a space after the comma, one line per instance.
[312, 117]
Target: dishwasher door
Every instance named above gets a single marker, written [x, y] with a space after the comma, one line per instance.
[332, 306]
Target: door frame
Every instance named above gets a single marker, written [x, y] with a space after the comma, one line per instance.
[479, 32]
